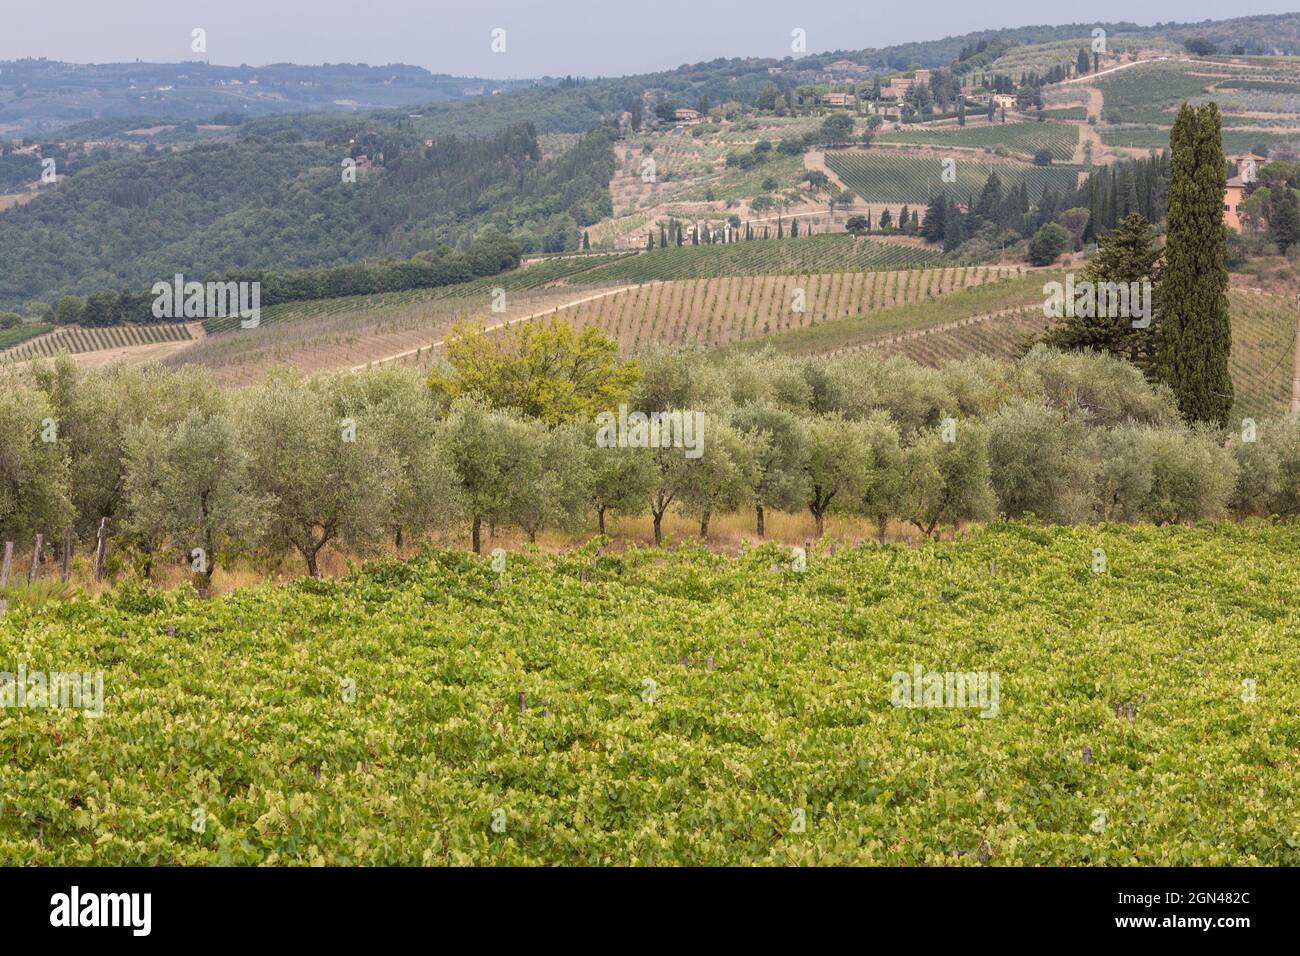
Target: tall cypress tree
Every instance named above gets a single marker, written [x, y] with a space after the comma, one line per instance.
[1194, 298]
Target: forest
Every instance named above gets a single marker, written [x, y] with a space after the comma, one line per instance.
[270, 202]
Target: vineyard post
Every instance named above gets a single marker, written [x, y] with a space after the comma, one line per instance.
[99, 551]
[65, 566]
[1295, 376]
[4, 568]
[36, 559]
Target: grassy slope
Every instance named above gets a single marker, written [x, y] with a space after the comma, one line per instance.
[243, 713]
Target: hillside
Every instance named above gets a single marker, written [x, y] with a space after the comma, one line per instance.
[40, 96]
[131, 222]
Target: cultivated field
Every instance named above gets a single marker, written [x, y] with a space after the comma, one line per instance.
[978, 133]
[878, 176]
[74, 340]
[819, 253]
[698, 710]
[343, 338]
[719, 312]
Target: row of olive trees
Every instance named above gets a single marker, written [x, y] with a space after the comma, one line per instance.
[181, 467]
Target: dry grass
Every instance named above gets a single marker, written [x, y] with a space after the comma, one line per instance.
[727, 534]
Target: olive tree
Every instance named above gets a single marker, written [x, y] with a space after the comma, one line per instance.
[780, 450]
[722, 478]
[475, 441]
[622, 479]
[1268, 462]
[838, 466]
[882, 496]
[329, 480]
[1041, 462]
[550, 485]
[190, 484]
[34, 473]
[397, 406]
[947, 481]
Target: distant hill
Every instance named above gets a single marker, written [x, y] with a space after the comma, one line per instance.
[38, 96]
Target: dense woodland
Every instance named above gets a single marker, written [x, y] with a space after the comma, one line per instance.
[266, 202]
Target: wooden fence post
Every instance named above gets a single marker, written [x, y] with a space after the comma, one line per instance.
[4, 568]
[36, 559]
[65, 567]
[100, 550]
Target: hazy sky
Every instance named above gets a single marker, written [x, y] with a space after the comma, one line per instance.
[588, 37]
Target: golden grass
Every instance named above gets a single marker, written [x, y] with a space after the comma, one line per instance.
[727, 533]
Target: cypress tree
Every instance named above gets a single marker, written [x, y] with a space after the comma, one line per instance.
[1194, 301]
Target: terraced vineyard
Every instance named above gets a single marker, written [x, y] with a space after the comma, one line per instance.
[74, 341]
[897, 177]
[813, 254]
[1024, 138]
[718, 312]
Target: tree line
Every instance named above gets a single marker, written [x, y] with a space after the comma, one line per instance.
[489, 254]
[504, 434]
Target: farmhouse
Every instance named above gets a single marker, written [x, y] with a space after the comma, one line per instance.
[1233, 196]
[1247, 165]
[898, 87]
[839, 99]
[845, 66]
[686, 115]
[1004, 101]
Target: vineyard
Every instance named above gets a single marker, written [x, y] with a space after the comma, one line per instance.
[1157, 137]
[479, 292]
[684, 708]
[718, 312]
[1263, 350]
[1150, 92]
[1024, 138]
[972, 305]
[21, 333]
[347, 337]
[898, 177]
[73, 340]
[1002, 335]
[811, 254]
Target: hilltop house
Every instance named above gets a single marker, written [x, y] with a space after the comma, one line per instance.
[1247, 165]
[898, 87]
[1234, 193]
[845, 66]
[1233, 196]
